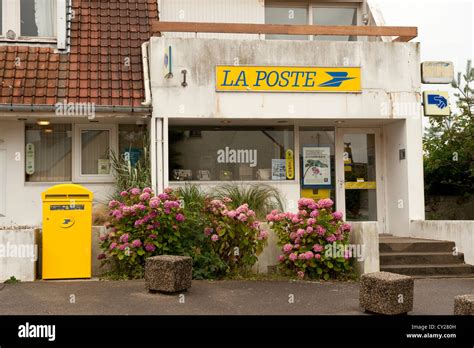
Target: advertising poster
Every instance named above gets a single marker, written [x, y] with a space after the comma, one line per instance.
[316, 166]
[278, 169]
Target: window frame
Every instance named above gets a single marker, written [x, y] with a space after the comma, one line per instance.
[77, 175]
[311, 4]
[15, 24]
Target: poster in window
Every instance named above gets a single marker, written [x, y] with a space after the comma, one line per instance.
[278, 169]
[316, 166]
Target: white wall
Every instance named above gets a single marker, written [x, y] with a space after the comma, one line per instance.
[23, 200]
[390, 72]
[3, 180]
[396, 179]
[365, 235]
[460, 232]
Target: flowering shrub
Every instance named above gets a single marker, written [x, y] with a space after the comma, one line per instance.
[142, 225]
[312, 240]
[235, 234]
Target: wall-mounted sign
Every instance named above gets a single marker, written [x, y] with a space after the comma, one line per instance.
[316, 166]
[231, 78]
[290, 165]
[436, 103]
[437, 72]
[30, 159]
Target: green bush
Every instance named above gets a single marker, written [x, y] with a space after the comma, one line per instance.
[260, 198]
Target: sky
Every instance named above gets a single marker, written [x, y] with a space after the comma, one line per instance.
[445, 30]
[445, 27]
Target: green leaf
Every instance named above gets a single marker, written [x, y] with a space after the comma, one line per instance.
[319, 270]
[329, 264]
[326, 276]
[141, 252]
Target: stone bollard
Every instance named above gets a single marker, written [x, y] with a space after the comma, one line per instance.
[464, 305]
[168, 273]
[386, 293]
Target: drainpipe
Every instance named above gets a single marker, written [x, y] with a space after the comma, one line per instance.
[146, 74]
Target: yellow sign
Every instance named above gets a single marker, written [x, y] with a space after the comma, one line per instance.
[290, 167]
[231, 78]
[367, 185]
[316, 194]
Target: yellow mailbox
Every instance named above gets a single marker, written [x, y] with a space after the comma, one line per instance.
[67, 231]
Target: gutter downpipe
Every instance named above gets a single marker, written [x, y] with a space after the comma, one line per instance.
[146, 74]
[156, 128]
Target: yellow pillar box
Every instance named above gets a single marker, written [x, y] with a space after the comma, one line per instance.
[67, 232]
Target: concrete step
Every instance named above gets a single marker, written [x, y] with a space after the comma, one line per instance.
[430, 270]
[407, 245]
[421, 258]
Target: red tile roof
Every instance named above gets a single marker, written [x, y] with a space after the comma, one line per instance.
[104, 65]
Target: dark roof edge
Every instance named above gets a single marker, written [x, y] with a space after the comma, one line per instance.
[97, 108]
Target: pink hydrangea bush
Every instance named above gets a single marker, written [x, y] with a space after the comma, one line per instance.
[235, 234]
[141, 225]
[307, 236]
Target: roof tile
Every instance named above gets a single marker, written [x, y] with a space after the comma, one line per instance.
[105, 35]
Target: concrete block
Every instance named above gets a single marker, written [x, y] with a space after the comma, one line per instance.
[18, 254]
[464, 305]
[168, 273]
[386, 293]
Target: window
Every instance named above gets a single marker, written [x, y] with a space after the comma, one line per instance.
[335, 16]
[230, 153]
[56, 153]
[95, 147]
[38, 18]
[92, 151]
[48, 153]
[34, 20]
[132, 142]
[301, 14]
[280, 14]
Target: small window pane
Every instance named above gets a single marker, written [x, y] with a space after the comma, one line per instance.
[132, 142]
[335, 16]
[95, 145]
[48, 153]
[229, 153]
[38, 18]
[286, 15]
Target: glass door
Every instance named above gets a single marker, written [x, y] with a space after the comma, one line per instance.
[359, 187]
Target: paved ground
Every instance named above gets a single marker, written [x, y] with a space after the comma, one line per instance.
[432, 296]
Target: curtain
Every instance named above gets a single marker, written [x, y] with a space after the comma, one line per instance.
[45, 17]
